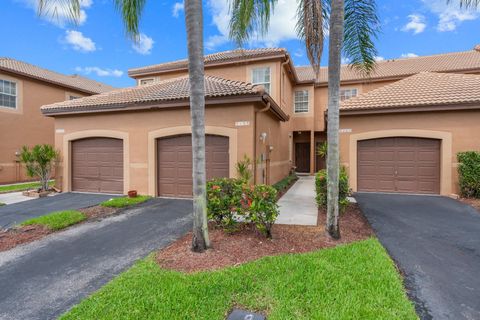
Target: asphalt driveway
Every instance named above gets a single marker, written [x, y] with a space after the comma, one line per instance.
[15, 213]
[45, 278]
[436, 243]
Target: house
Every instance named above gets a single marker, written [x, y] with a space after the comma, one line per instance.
[401, 127]
[24, 88]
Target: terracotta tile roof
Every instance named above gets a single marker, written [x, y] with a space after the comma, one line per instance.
[237, 55]
[423, 89]
[449, 62]
[164, 91]
[69, 81]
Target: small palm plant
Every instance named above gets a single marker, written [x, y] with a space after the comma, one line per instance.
[322, 149]
[244, 169]
[39, 162]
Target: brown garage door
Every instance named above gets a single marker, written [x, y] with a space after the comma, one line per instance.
[97, 165]
[174, 161]
[399, 164]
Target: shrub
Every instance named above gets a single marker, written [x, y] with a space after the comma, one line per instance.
[244, 169]
[285, 182]
[39, 162]
[260, 205]
[321, 181]
[469, 173]
[223, 201]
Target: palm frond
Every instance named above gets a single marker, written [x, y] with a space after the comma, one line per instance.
[131, 11]
[467, 4]
[52, 7]
[361, 29]
[312, 24]
[249, 17]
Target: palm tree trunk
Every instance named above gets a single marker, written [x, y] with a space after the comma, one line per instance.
[194, 24]
[333, 159]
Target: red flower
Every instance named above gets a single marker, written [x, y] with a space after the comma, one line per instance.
[215, 187]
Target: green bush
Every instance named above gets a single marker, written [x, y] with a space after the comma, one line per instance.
[321, 181]
[39, 162]
[285, 182]
[245, 169]
[469, 173]
[260, 205]
[223, 201]
[123, 202]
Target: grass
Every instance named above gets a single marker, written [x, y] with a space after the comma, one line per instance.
[57, 220]
[355, 281]
[22, 186]
[285, 182]
[2, 204]
[124, 201]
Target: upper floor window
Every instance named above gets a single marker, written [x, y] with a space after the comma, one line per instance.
[346, 94]
[261, 76]
[73, 97]
[301, 101]
[146, 81]
[8, 94]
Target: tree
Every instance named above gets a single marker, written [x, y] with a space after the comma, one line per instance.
[39, 162]
[131, 11]
[352, 26]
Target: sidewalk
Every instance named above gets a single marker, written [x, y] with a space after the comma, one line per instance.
[297, 206]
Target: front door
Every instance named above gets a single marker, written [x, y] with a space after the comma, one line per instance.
[302, 157]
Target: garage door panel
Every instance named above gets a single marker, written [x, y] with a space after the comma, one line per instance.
[399, 164]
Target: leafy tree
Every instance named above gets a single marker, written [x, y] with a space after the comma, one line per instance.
[352, 26]
[39, 162]
[131, 12]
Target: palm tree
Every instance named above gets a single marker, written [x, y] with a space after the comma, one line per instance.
[352, 27]
[131, 11]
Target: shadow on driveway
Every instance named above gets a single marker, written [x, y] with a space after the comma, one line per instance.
[436, 242]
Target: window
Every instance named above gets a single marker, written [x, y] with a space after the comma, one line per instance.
[301, 101]
[8, 94]
[346, 94]
[146, 81]
[261, 76]
[73, 97]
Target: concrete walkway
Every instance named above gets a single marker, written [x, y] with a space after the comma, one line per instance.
[298, 205]
[13, 197]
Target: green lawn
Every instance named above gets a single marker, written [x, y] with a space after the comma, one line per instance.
[57, 220]
[355, 281]
[124, 201]
[22, 186]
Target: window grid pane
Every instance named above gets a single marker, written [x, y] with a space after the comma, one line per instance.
[8, 94]
[261, 76]
[346, 94]
[301, 101]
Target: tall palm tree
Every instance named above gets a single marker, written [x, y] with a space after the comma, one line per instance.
[131, 11]
[352, 26]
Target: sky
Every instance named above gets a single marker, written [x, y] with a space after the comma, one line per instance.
[98, 47]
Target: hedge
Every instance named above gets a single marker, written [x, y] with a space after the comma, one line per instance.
[469, 173]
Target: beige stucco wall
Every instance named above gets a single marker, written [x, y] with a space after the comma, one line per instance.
[26, 125]
[457, 130]
[140, 129]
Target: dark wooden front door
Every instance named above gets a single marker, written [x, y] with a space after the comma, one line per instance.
[302, 157]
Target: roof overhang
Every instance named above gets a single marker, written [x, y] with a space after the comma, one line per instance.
[408, 109]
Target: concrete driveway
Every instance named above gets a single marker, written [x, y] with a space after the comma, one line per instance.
[436, 243]
[15, 213]
[44, 279]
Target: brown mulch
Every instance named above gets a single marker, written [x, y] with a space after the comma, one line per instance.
[471, 201]
[21, 235]
[230, 249]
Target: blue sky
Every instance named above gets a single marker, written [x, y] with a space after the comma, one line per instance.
[98, 48]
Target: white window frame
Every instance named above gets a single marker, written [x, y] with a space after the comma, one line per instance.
[11, 95]
[149, 81]
[347, 93]
[266, 84]
[305, 100]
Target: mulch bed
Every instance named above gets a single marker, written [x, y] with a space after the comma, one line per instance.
[230, 249]
[473, 202]
[21, 235]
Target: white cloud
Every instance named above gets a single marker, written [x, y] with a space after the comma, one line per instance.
[100, 71]
[379, 58]
[282, 24]
[177, 7]
[408, 55]
[57, 13]
[450, 16]
[79, 42]
[416, 24]
[298, 53]
[143, 45]
[345, 60]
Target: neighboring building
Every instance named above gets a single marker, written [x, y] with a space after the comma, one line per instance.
[24, 88]
[400, 128]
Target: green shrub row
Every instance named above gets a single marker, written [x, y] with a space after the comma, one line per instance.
[231, 200]
[285, 182]
[469, 173]
[321, 181]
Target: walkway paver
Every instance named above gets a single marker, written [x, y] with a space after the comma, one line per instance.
[436, 243]
[297, 206]
[45, 278]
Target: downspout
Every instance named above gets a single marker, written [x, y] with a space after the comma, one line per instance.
[255, 136]
[281, 78]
